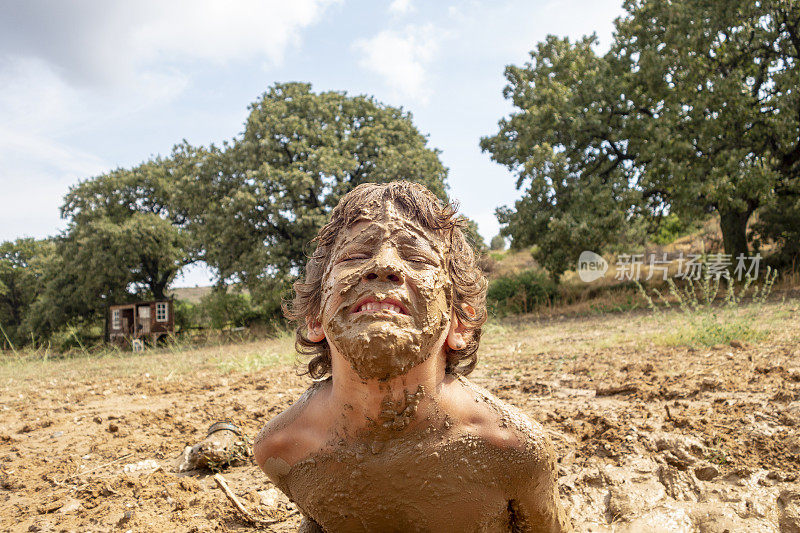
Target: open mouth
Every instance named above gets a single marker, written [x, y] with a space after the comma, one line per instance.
[371, 305]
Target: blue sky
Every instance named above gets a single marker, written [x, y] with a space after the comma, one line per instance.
[88, 86]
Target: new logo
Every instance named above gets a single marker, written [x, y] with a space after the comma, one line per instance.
[591, 266]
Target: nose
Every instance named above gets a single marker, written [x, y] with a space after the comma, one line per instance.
[386, 266]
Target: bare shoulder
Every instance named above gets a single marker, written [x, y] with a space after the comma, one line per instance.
[291, 436]
[520, 454]
[502, 426]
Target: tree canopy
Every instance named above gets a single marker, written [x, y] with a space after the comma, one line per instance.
[129, 228]
[692, 110]
[247, 208]
[267, 193]
[566, 146]
[23, 264]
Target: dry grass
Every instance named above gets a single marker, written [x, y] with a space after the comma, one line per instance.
[560, 334]
[532, 336]
[615, 292]
[168, 362]
[507, 263]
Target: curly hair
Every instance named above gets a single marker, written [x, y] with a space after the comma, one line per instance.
[419, 204]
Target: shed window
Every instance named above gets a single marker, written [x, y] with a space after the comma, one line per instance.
[161, 312]
[116, 323]
[144, 312]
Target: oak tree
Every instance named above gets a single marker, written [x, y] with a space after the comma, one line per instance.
[693, 110]
[271, 189]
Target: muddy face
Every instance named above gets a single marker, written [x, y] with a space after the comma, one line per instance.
[387, 296]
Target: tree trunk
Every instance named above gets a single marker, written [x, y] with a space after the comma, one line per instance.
[734, 231]
[159, 282]
[158, 289]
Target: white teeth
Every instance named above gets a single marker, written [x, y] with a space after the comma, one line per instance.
[390, 307]
[375, 306]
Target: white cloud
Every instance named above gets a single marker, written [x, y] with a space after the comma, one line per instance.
[36, 173]
[511, 28]
[401, 58]
[225, 31]
[36, 169]
[401, 7]
[71, 68]
[40, 115]
[100, 42]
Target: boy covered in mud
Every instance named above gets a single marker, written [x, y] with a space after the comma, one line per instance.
[396, 439]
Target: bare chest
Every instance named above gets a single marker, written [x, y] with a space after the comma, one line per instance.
[427, 485]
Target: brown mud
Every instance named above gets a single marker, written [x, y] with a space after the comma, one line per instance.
[647, 437]
[387, 259]
[435, 462]
[459, 467]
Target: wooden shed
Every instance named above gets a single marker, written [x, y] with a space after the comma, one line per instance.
[147, 321]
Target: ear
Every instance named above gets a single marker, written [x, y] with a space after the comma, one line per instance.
[315, 333]
[458, 334]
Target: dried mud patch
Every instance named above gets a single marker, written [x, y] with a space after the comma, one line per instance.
[648, 437]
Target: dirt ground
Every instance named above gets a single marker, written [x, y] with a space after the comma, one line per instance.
[650, 436]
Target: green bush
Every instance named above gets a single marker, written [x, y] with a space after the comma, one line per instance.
[225, 309]
[672, 228]
[498, 243]
[80, 337]
[187, 315]
[710, 311]
[520, 293]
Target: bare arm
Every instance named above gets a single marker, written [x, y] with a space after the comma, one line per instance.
[528, 460]
[536, 506]
[307, 525]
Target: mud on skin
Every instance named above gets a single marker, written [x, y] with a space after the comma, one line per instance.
[436, 478]
[382, 349]
[447, 456]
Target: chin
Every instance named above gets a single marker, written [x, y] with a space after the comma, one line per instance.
[384, 345]
[384, 354]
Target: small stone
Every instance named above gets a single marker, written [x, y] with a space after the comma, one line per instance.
[50, 506]
[622, 505]
[269, 498]
[146, 465]
[98, 420]
[126, 517]
[112, 427]
[777, 475]
[70, 506]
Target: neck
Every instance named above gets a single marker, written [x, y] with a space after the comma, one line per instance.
[393, 404]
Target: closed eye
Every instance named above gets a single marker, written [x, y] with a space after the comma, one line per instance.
[352, 257]
[422, 260]
[418, 255]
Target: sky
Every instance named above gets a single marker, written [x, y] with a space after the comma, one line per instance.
[87, 86]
